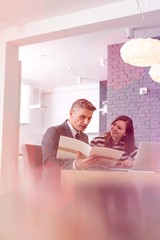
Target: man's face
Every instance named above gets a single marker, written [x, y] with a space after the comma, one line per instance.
[80, 118]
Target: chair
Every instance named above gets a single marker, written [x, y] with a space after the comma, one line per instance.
[32, 157]
[45, 180]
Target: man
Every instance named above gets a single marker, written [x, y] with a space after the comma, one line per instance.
[80, 116]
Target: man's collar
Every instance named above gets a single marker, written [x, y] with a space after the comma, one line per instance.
[73, 130]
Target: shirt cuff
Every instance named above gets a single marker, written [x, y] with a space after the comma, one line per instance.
[74, 164]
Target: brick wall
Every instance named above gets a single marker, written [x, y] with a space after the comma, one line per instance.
[124, 82]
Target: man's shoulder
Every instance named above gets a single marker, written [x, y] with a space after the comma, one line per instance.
[62, 125]
[59, 129]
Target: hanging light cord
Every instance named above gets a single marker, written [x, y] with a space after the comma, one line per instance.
[143, 18]
[42, 79]
[142, 15]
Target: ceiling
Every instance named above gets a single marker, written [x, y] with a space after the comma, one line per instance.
[70, 60]
[15, 12]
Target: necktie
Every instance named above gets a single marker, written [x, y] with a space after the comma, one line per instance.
[77, 136]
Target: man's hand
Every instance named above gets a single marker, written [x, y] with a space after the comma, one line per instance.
[86, 162]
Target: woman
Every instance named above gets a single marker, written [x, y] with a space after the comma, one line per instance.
[120, 137]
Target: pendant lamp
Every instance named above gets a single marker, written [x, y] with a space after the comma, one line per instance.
[154, 72]
[141, 52]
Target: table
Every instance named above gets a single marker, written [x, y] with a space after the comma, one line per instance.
[115, 204]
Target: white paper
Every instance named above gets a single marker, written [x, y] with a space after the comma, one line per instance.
[68, 148]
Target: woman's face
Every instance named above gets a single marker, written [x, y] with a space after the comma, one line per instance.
[118, 130]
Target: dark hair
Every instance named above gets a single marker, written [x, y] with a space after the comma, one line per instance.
[83, 103]
[129, 139]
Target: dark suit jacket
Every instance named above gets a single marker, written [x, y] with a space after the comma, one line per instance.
[50, 143]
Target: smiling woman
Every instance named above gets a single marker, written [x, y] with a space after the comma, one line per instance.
[120, 137]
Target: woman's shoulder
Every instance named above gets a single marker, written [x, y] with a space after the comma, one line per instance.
[98, 138]
[102, 136]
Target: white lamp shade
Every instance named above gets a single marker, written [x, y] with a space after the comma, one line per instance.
[141, 52]
[154, 72]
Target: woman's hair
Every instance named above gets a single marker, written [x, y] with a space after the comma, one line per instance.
[128, 139]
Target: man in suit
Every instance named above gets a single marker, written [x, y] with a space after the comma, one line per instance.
[80, 116]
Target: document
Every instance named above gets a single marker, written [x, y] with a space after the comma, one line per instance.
[68, 148]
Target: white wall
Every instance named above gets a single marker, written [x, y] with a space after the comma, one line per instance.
[58, 105]
[60, 101]
[31, 128]
[32, 133]
[10, 118]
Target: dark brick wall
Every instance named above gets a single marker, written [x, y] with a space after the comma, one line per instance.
[124, 82]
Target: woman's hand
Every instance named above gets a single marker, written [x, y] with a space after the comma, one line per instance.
[127, 163]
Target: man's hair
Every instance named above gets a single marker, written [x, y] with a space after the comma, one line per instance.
[83, 103]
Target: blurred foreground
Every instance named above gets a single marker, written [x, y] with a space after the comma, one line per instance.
[82, 205]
